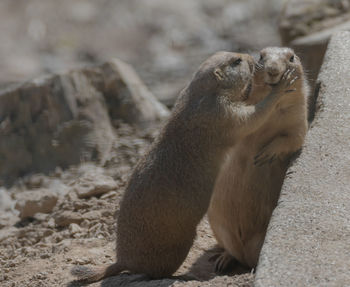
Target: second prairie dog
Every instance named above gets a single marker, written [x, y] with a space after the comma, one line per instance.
[170, 188]
[249, 183]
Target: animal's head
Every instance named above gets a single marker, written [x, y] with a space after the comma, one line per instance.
[275, 61]
[224, 74]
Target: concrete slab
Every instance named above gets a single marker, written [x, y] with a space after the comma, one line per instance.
[308, 240]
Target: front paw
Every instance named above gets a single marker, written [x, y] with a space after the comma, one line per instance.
[284, 86]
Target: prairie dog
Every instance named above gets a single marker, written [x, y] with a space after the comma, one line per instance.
[170, 188]
[248, 186]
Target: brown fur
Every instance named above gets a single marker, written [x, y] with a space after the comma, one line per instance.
[249, 183]
[170, 188]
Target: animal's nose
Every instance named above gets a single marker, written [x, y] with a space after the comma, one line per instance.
[273, 71]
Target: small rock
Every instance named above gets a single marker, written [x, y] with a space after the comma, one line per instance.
[74, 228]
[45, 256]
[98, 186]
[32, 202]
[81, 205]
[41, 216]
[51, 223]
[6, 203]
[58, 172]
[92, 215]
[8, 219]
[35, 181]
[96, 228]
[67, 217]
[109, 195]
[82, 261]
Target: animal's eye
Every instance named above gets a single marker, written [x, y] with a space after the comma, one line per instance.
[236, 62]
[291, 59]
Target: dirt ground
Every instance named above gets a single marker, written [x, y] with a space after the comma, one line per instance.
[39, 251]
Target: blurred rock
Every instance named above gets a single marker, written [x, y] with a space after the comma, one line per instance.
[61, 120]
[8, 216]
[74, 228]
[53, 121]
[92, 215]
[6, 202]
[35, 181]
[128, 98]
[94, 186]
[312, 48]
[51, 223]
[8, 232]
[307, 26]
[32, 202]
[65, 218]
[92, 181]
[301, 18]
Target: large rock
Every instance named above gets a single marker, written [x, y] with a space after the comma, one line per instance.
[127, 97]
[307, 243]
[64, 119]
[31, 202]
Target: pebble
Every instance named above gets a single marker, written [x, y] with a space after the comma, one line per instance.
[91, 215]
[100, 185]
[82, 261]
[74, 228]
[67, 217]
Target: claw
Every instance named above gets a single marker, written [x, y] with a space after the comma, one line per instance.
[258, 155]
[266, 159]
[293, 80]
[225, 263]
[214, 257]
[259, 160]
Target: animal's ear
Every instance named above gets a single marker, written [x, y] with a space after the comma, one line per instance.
[219, 74]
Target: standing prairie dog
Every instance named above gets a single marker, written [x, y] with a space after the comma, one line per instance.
[248, 185]
[170, 188]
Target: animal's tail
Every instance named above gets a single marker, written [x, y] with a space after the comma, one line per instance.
[93, 274]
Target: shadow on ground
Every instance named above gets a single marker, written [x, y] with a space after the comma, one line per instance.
[202, 270]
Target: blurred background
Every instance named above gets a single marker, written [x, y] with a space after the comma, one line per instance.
[163, 40]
